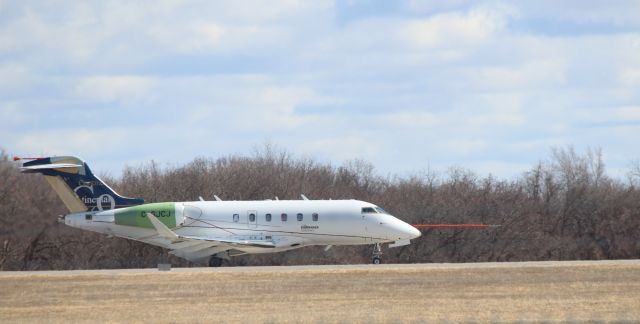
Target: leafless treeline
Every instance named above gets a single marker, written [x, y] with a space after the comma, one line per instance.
[564, 208]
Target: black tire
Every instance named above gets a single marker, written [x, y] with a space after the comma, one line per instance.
[376, 260]
[215, 262]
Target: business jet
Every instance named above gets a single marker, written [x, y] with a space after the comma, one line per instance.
[213, 231]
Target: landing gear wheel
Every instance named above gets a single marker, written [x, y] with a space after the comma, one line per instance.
[215, 262]
[377, 253]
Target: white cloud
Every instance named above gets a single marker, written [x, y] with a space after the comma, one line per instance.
[263, 11]
[426, 6]
[340, 148]
[461, 146]
[428, 82]
[531, 74]
[116, 32]
[617, 13]
[74, 141]
[113, 88]
[11, 114]
[16, 79]
[408, 119]
[451, 28]
[630, 77]
[192, 38]
[627, 113]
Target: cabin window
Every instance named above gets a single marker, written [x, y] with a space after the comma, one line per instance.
[368, 210]
[267, 217]
[300, 217]
[252, 217]
[283, 217]
[314, 217]
[236, 218]
[88, 216]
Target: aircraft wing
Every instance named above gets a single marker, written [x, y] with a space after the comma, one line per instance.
[165, 232]
[199, 248]
[232, 242]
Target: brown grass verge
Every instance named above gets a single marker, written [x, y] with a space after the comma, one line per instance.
[601, 292]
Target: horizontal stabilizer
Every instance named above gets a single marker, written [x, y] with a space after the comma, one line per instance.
[36, 168]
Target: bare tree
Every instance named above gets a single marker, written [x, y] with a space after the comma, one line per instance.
[563, 208]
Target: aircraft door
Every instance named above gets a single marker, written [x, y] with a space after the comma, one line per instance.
[365, 227]
[252, 218]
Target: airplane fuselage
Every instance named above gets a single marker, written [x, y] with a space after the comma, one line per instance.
[285, 224]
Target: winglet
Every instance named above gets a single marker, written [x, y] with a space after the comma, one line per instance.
[162, 229]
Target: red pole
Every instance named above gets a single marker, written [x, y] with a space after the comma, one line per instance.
[478, 226]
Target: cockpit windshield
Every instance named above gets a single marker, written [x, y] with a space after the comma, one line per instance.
[373, 210]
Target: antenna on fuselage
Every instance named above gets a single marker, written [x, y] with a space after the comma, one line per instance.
[277, 198]
[200, 197]
[304, 197]
[217, 198]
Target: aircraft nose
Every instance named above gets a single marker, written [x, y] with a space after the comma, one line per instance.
[412, 232]
[404, 231]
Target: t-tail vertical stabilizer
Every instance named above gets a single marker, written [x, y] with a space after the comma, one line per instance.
[76, 185]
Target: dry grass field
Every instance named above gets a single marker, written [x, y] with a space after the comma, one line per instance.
[491, 292]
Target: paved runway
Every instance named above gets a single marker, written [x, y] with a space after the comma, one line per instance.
[368, 267]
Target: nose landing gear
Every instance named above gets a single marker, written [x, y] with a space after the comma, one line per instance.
[377, 254]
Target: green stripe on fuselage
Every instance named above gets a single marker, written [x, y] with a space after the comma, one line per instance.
[137, 215]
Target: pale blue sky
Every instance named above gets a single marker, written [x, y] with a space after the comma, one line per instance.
[406, 85]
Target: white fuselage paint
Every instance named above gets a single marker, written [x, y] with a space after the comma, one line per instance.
[339, 222]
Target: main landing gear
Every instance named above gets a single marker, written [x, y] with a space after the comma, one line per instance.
[377, 254]
[215, 261]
